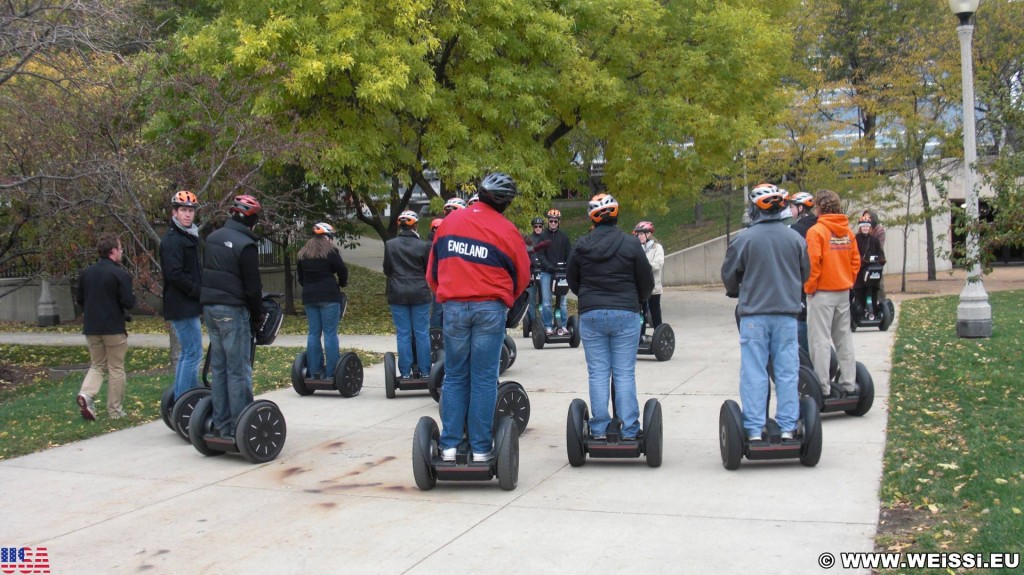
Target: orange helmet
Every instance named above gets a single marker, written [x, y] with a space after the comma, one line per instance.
[803, 199]
[643, 227]
[602, 207]
[246, 205]
[324, 229]
[408, 219]
[768, 197]
[435, 223]
[554, 214]
[184, 199]
[453, 204]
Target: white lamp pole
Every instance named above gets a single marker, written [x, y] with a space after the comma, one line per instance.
[973, 314]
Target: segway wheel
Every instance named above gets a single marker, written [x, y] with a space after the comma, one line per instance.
[299, 375]
[526, 326]
[436, 378]
[436, 341]
[730, 434]
[348, 376]
[573, 325]
[260, 431]
[507, 448]
[853, 323]
[810, 449]
[202, 423]
[576, 433]
[424, 449]
[513, 351]
[167, 406]
[538, 335]
[663, 342]
[389, 375]
[805, 359]
[503, 363]
[866, 387]
[653, 432]
[888, 315]
[513, 402]
[808, 386]
[184, 409]
[833, 364]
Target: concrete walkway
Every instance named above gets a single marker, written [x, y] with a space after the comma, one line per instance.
[341, 496]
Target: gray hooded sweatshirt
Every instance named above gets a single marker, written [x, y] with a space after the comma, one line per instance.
[766, 266]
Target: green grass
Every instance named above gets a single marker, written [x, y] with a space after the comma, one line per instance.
[42, 414]
[954, 469]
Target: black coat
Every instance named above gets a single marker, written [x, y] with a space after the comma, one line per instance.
[556, 252]
[105, 294]
[182, 270]
[317, 278]
[405, 265]
[609, 270]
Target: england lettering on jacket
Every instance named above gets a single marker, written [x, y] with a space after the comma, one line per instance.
[467, 249]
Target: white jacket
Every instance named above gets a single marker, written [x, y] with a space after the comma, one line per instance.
[656, 257]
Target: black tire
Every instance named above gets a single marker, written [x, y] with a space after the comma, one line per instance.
[866, 389]
[833, 365]
[507, 448]
[888, 315]
[503, 362]
[436, 341]
[202, 424]
[526, 326]
[653, 432]
[573, 325]
[184, 408]
[424, 450]
[261, 431]
[512, 402]
[299, 375]
[539, 338]
[730, 434]
[853, 324]
[576, 433]
[809, 386]
[810, 449]
[348, 376]
[805, 359]
[167, 406]
[389, 375]
[206, 367]
[436, 379]
[513, 351]
[663, 342]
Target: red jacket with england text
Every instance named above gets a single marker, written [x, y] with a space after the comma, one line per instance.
[478, 255]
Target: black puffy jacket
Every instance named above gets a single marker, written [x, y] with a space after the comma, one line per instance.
[322, 278]
[609, 270]
[182, 270]
[405, 265]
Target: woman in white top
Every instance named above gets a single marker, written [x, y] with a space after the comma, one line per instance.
[644, 231]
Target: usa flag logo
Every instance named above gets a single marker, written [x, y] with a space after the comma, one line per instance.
[24, 560]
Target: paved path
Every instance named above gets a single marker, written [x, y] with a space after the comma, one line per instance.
[341, 496]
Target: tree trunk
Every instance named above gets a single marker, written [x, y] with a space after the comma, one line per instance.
[926, 208]
[289, 293]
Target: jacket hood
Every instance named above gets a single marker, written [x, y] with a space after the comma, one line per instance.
[601, 244]
[838, 224]
[759, 216]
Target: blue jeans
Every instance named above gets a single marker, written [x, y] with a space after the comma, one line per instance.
[436, 312]
[473, 334]
[547, 313]
[323, 320]
[761, 337]
[412, 321]
[610, 338]
[190, 337]
[230, 363]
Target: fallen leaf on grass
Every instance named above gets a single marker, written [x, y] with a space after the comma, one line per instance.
[1001, 481]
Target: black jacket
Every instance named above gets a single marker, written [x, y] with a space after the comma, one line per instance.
[231, 269]
[182, 270]
[868, 245]
[405, 265]
[105, 294]
[609, 270]
[322, 279]
[556, 252]
[803, 224]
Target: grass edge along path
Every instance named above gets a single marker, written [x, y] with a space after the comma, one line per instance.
[954, 470]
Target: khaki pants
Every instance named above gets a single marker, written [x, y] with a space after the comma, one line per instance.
[106, 353]
[828, 324]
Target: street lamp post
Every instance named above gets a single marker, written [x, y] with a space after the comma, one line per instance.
[973, 313]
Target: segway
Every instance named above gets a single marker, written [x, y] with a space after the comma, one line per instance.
[661, 344]
[393, 381]
[260, 430]
[579, 442]
[177, 414]
[734, 444]
[856, 404]
[347, 379]
[428, 466]
[866, 308]
[559, 290]
[534, 304]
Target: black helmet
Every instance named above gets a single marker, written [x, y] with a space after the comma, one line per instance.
[538, 221]
[498, 188]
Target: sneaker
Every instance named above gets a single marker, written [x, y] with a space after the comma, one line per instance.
[86, 406]
[549, 331]
[448, 454]
[788, 434]
[601, 437]
[753, 437]
[628, 439]
[481, 457]
[117, 414]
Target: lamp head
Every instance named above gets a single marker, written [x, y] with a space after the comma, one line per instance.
[964, 9]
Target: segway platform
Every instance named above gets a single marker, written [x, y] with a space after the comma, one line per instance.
[347, 380]
[428, 466]
[856, 404]
[259, 433]
[734, 443]
[661, 344]
[579, 442]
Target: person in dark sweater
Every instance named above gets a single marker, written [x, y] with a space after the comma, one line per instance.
[801, 207]
[609, 272]
[870, 249]
[105, 293]
[551, 259]
[182, 269]
[322, 273]
[409, 296]
[232, 299]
